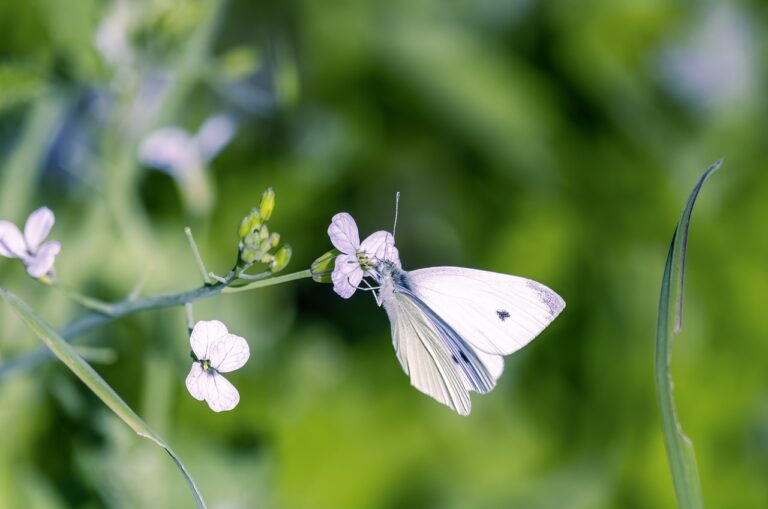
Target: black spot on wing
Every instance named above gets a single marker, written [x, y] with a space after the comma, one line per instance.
[503, 314]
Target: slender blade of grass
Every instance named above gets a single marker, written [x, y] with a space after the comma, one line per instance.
[67, 354]
[682, 459]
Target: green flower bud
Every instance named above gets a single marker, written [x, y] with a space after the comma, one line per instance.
[249, 223]
[252, 240]
[263, 233]
[274, 239]
[265, 245]
[267, 204]
[249, 255]
[281, 258]
[322, 268]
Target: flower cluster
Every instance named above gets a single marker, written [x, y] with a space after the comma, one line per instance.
[37, 256]
[256, 241]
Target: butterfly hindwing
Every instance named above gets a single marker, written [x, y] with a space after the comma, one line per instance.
[424, 358]
[439, 362]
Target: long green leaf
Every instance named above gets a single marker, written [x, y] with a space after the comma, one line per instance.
[67, 354]
[682, 459]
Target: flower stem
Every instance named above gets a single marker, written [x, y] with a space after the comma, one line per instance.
[196, 253]
[96, 305]
[190, 311]
[269, 282]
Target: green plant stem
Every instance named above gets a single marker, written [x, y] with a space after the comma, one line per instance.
[196, 254]
[190, 312]
[108, 312]
[269, 282]
[87, 302]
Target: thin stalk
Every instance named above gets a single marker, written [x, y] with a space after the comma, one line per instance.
[269, 282]
[196, 254]
[190, 311]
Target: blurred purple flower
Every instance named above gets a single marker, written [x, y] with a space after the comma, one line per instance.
[185, 157]
[715, 68]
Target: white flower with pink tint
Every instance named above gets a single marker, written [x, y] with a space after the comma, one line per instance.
[215, 351]
[357, 259]
[36, 255]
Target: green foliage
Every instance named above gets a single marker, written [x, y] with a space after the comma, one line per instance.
[543, 139]
[19, 84]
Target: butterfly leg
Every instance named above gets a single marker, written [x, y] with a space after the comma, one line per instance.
[370, 288]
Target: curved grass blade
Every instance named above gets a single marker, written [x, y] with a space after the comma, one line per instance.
[67, 354]
[682, 459]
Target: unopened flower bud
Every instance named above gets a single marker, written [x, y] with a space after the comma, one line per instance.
[281, 259]
[249, 223]
[248, 255]
[322, 268]
[267, 204]
[252, 240]
[274, 239]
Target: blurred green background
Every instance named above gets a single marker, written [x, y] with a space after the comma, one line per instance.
[553, 140]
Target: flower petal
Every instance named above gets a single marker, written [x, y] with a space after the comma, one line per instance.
[39, 224]
[12, 243]
[381, 246]
[347, 274]
[343, 233]
[171, 149]
[229, 353]
[214, 135]
[42, 262]
[204, 335]
[221, 395]
[197, 381]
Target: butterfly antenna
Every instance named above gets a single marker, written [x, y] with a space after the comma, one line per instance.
[397, 207]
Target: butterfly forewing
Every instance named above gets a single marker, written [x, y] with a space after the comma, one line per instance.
[495, 313]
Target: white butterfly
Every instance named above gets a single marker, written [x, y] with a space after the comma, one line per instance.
[451, 326]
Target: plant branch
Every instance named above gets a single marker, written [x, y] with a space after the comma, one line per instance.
[113, 311]
[269, 282]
